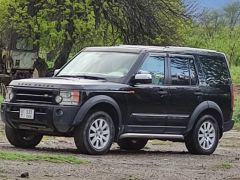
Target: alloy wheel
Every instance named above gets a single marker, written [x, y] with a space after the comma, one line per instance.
[99, 133]
[206, 135]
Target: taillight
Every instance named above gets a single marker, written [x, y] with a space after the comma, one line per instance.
[232, 97]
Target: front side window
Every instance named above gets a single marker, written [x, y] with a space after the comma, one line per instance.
[109, 65]
[155, 65]
[183, 71]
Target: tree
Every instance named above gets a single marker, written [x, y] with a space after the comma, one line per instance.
[64, 26]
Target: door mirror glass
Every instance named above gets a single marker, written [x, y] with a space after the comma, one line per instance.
[56, 71]
[145, 78]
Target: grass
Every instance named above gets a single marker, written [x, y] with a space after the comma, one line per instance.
[158, 142]
[20, 156]
[223, 166]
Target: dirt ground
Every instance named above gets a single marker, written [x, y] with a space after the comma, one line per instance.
[159, 160]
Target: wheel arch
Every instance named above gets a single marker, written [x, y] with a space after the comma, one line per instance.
[103, 103]
[206, 107]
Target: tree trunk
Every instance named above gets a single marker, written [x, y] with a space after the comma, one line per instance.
[67, 45]
[64, 54]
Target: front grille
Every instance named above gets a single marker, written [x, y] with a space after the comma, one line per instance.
[37, 96]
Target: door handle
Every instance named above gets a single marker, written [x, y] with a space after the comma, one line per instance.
[162, 92]
[198, 93]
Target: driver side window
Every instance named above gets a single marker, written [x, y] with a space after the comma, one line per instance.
[155, 65]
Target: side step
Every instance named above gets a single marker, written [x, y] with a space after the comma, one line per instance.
[153, 136]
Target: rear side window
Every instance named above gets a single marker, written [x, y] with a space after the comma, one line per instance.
[215, 70]
[183, 71]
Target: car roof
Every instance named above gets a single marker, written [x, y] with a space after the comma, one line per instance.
[160, 49]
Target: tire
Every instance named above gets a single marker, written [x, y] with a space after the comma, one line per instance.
[132, 144]
[204, 138]
[21, 138]
[96, 134]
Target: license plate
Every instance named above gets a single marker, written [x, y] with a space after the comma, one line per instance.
[26, 113]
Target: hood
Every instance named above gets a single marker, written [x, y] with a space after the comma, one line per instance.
[68, 83]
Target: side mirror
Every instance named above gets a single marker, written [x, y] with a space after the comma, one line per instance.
[56, 71]
[145, 78]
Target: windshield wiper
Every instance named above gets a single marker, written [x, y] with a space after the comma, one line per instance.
[83, 76]
[91, 77]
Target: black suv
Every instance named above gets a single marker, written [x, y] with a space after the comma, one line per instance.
[125, 94]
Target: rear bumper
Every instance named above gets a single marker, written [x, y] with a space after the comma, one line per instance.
[47, 118]
[227, 126]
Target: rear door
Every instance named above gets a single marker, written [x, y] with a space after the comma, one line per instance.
[184, 91]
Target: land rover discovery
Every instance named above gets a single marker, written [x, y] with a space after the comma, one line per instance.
[125, 94]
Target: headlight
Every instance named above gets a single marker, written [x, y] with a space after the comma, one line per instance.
[68, 97]
[9, 94]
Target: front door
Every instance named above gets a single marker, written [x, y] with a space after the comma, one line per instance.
[148, 105]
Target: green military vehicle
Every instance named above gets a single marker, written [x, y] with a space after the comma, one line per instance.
[18, 60]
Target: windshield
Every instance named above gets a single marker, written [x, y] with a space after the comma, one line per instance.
[105, 65]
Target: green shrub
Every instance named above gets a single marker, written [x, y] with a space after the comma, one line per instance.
[235, 72]
[236, 114]
[1, 99]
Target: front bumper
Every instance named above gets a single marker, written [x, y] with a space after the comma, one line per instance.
[47, 118]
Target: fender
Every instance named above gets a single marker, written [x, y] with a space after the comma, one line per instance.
[199, 109]
[213, 105]
[92, 102]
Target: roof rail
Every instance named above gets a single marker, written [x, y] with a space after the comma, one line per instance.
[168, 48]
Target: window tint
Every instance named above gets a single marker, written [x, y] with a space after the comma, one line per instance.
[180, 71]
[155, 66]
[215, 69]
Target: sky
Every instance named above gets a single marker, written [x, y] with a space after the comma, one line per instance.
[213, 4]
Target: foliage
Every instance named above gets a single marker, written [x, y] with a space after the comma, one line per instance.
[3, 19]
[235, 73]
[236, 114]
[218, 30]
[62, 27]
[1, 99]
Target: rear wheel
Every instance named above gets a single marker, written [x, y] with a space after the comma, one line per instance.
[132, 144]
[21, 138]
[95, 135]
[204, 137]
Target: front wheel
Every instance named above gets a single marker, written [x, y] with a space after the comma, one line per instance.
[21, 138]
[132, 144]
[204, 137]
[96, 134]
